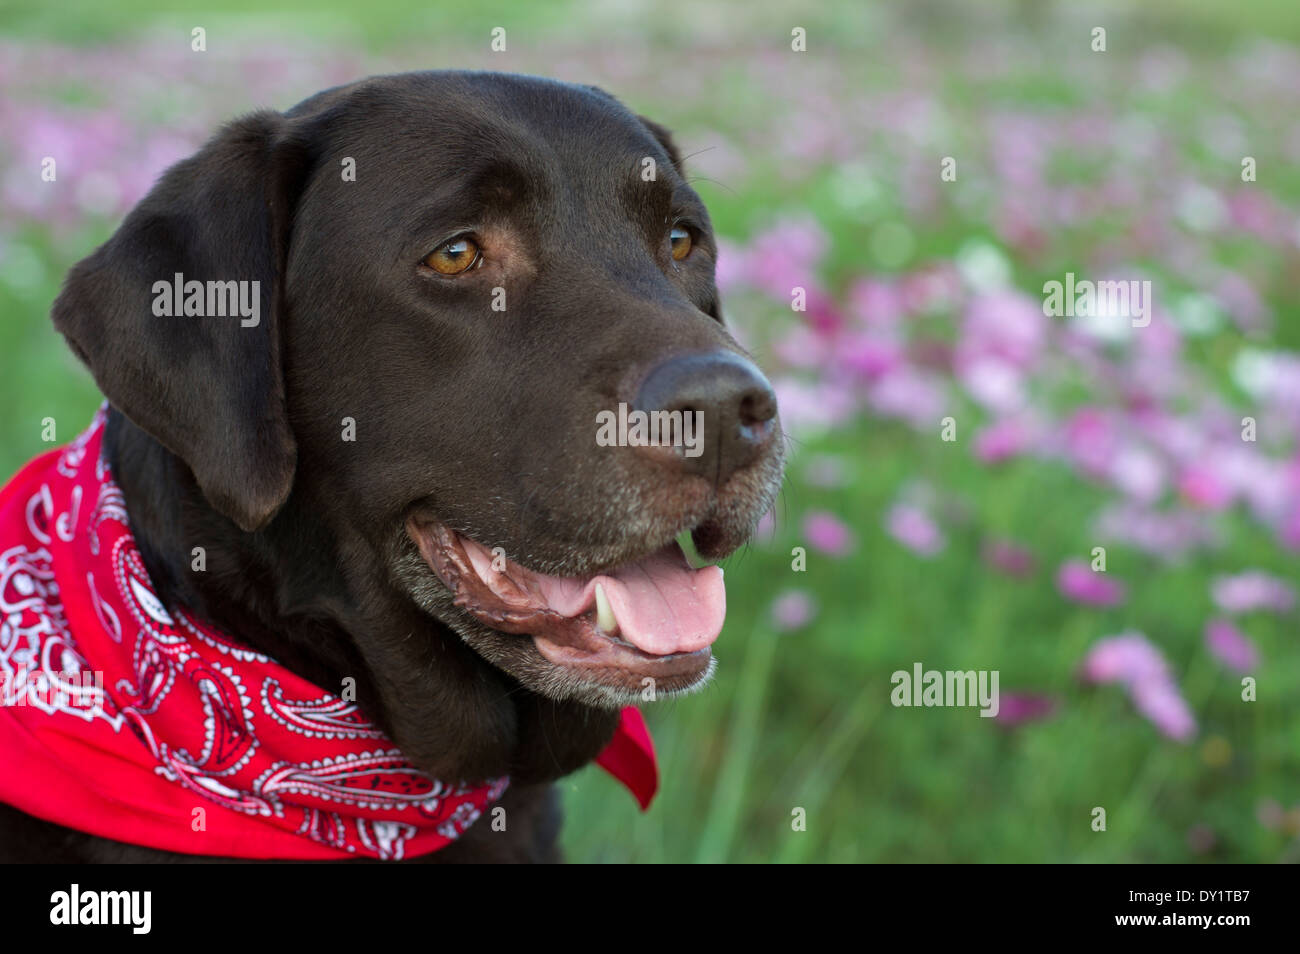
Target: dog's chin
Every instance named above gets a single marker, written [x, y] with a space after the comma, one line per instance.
[606, 684]
[637, 631]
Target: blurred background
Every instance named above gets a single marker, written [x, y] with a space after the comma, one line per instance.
[1121, 688]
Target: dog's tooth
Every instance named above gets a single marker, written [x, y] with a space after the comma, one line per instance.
[605, 618]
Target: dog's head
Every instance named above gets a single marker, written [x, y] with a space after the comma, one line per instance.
[470, 302]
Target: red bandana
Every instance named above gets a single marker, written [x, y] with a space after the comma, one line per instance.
[151, 727]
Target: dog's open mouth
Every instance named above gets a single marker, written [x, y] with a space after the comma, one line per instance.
[656, 617]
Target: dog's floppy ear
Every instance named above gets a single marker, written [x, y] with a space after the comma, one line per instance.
[665, 139]
[209, 387]
[659, 131]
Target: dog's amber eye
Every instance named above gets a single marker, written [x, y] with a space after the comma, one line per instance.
[454, 257]
[681, 242]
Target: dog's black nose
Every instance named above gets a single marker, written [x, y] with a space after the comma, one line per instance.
[727, 410]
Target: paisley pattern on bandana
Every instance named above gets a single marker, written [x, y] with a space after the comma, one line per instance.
[134, 721]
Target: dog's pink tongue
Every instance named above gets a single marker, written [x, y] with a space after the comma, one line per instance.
[661, 604]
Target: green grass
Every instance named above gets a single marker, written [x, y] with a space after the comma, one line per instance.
[803, 720]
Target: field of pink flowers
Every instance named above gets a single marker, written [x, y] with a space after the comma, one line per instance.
[1107, 515]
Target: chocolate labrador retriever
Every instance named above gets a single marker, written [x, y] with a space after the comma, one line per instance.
[391, 461]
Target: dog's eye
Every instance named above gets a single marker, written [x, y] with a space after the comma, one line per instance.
[681, 242]
[452, 258]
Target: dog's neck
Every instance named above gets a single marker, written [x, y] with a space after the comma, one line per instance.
[276, 592]
[199, 560]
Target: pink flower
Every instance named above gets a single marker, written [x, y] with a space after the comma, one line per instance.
[1204, 486]
[1162, 704]
[1289, 531]
[1138, 473]
[875, 304]
[827, 533]
[1230, 645]
[1005, 324]
[1167, 535]
[868, 356]
[812, 407]
[801, 347]
[910, 394]
[1078, 582]
[786, 256]
[912, 527]
[1132, 661]
[994, 383]
[1252, 590]
[1017, 708]
[1001, 440]
[793, 609]
[1009, 558]
[733, 266]
[821, 313]
[1091, 440]
[1239, 299]
[1127, 659]
[932, 288]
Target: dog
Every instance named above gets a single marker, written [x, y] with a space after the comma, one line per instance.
[385, 451]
